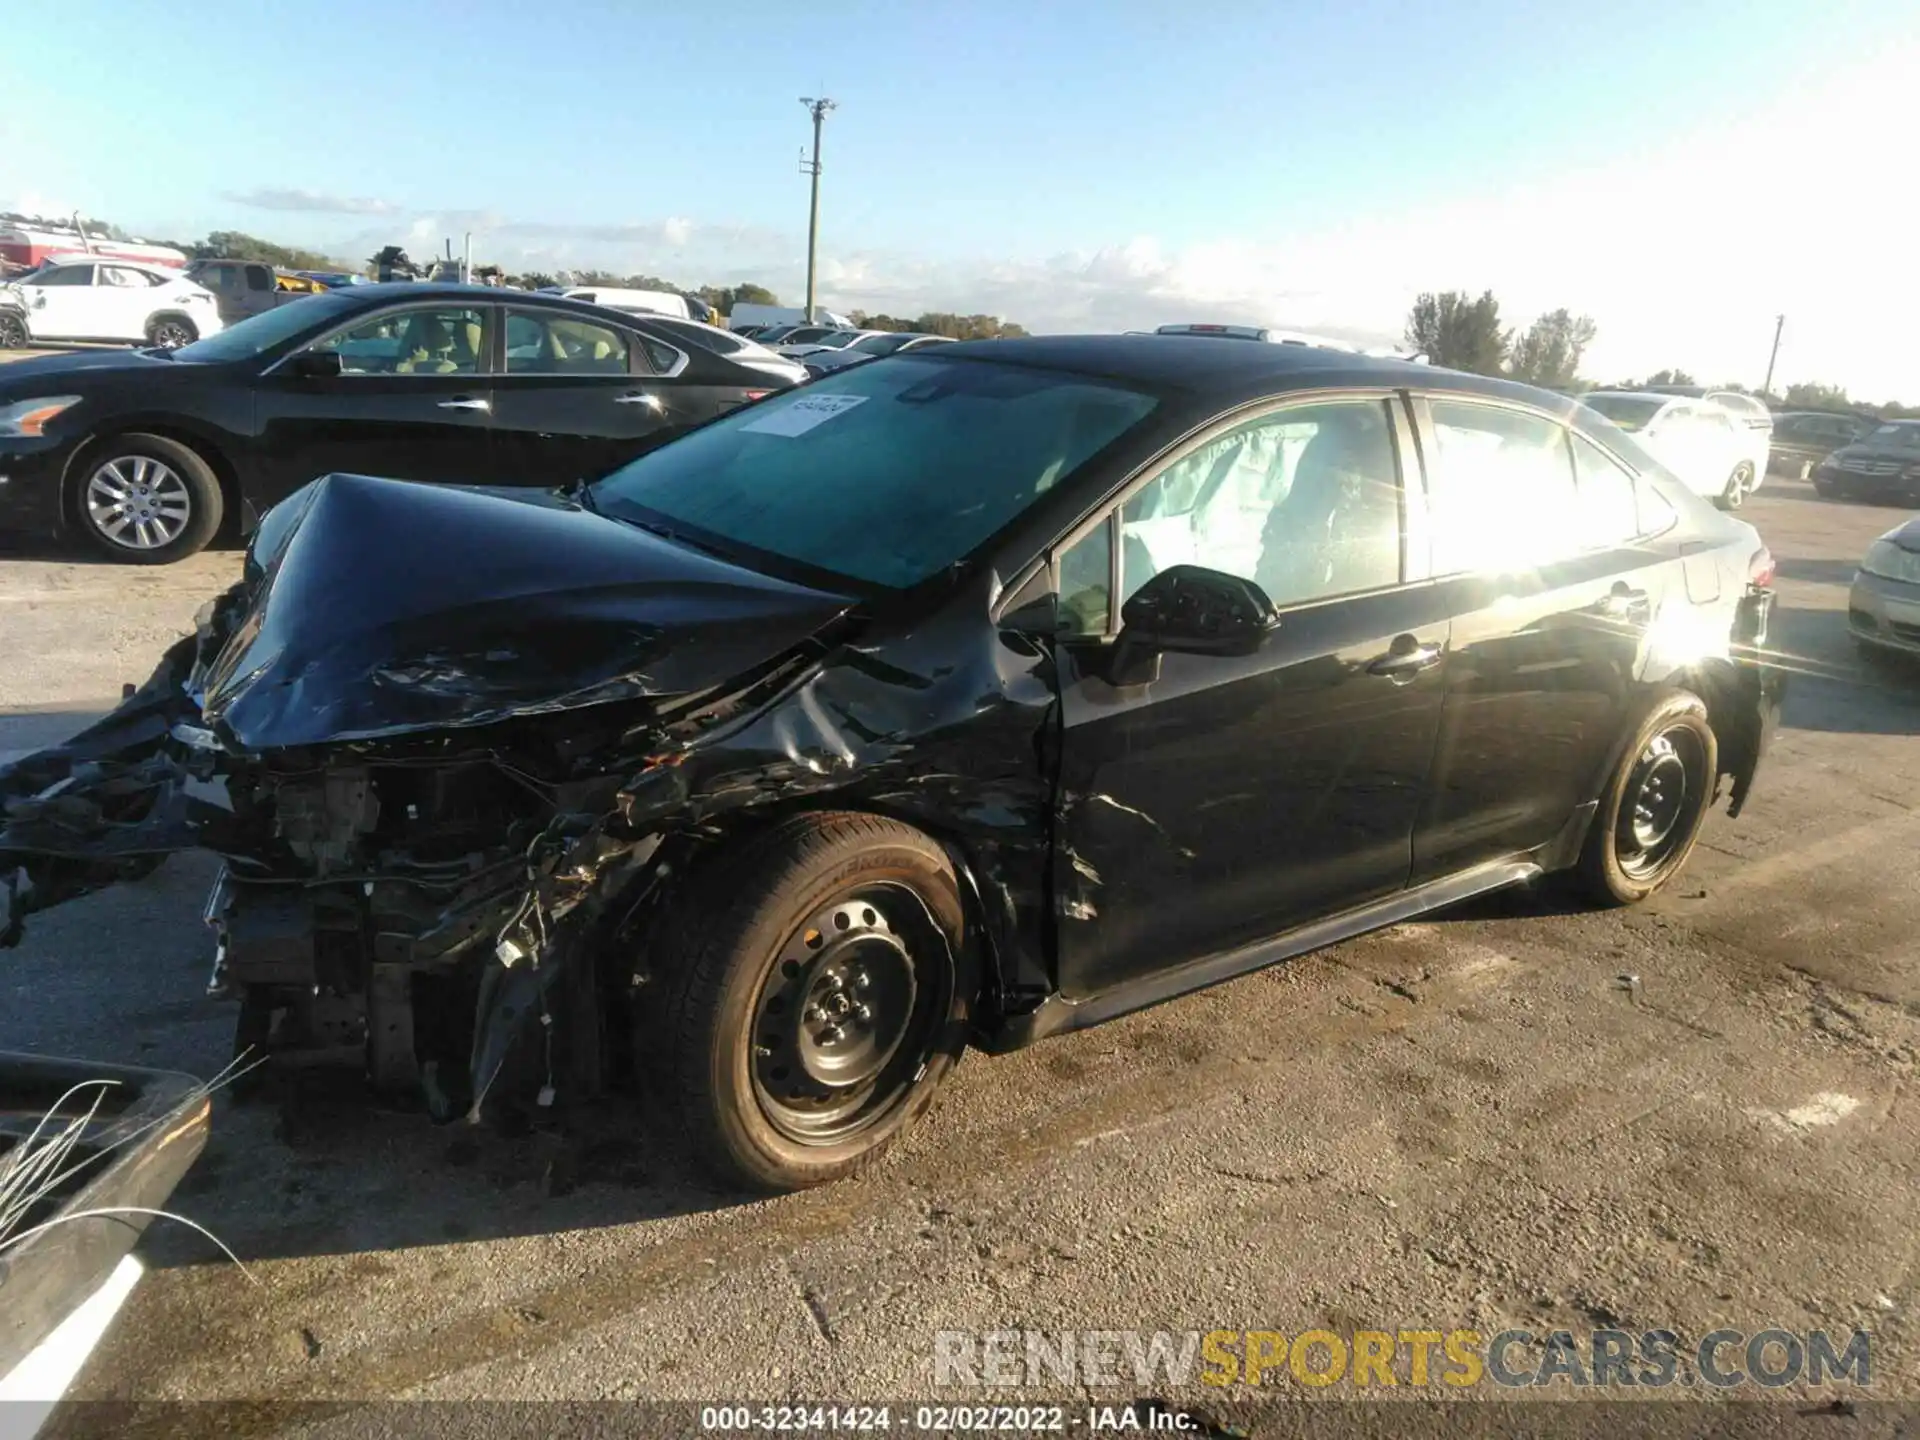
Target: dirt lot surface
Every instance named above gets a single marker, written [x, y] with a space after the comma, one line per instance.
[1462, 1122]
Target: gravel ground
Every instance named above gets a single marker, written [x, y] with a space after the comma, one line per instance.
[1459, 1123]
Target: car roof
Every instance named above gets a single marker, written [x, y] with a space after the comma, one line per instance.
[1660, 396]
[1198, 362]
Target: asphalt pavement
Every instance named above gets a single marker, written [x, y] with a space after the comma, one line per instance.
[1467, 1122]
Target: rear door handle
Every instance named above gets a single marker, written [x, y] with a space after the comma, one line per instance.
[1406, 659]
[641, 397]
[466, 402]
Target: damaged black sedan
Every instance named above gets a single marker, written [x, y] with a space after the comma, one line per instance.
[972, 696]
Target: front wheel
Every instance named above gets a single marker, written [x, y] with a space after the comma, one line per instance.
[820, 986]
[147, 499]
[13, 331]
[1654, 803]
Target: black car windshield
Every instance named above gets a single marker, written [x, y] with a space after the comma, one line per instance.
[1629, 412]
[1894, 437]
[271, 327]
[893, 472]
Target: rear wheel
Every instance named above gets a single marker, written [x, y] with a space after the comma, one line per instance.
[147, 499]
[170, 332]
[1655, 801]
[820, 989]
[13, 331]
[1738, 484]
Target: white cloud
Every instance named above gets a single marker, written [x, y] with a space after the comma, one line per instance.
[309, 200]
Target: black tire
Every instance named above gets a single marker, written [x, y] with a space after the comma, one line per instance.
[13, 331]
[170, 332]
[1738, 484]
[1823, 490]
[1626, 857]
[737, 1038]
[108, 467]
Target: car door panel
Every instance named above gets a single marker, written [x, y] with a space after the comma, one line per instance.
[389, 415]
[1550, 621]
[66, 310]
[575, 399]
[1233, 798]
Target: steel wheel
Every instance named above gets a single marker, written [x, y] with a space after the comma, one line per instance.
[172, 334]
[138, 502]
[1660, 793]
[844, 1001]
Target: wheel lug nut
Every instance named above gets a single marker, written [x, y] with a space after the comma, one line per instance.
[862, 980]
[814, 1015]
[863, 1012]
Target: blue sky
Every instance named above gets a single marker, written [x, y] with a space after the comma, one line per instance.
[1096, 163]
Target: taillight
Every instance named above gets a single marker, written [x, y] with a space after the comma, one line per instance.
[758, 394]
[1760, 569]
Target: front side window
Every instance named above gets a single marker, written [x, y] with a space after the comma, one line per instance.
[1304, 502]
[541, 343]
[1502, 490]
[63, 275]
[445, 341]
[888, 474]
[259, 277]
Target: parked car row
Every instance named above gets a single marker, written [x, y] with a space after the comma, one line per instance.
[1717, 443]
[148, 452]
[994, 691]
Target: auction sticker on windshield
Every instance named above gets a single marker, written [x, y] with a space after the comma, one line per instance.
[802, 414]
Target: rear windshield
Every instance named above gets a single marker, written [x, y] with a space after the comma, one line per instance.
[888, 473]
[1629, 412]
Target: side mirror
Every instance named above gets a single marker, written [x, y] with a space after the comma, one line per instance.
[1191, 610]
[316, 365]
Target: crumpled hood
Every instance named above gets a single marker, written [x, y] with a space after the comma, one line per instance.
[383, 607]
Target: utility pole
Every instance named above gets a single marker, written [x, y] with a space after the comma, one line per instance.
[1779, 324]
[812, 167]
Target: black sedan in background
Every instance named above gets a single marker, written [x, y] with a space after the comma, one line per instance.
[1882, 468]
[147, 452]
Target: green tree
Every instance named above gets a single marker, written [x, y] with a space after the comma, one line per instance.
[534, 280]
[724, 297]
[966, 327]
[1809, 395]
[1462, 334]
[237, 245]
[1671, 377]
[649, 282]
[1548, 352]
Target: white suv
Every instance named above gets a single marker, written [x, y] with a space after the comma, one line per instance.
[105, 300]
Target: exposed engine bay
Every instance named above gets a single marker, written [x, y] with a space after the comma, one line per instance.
[450, 797]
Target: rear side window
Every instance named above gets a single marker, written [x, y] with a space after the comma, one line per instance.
[65, 275]
[662, 357]
[553, 344]
[1608, 508]
[125, 279]
[1501, 489]
[259, 277]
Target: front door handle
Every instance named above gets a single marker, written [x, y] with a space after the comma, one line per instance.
[641, 397]
[1406, 659]
[466, 402]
